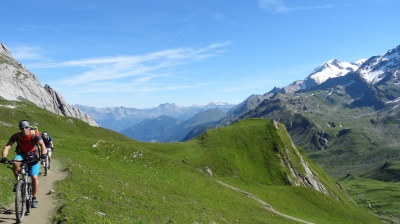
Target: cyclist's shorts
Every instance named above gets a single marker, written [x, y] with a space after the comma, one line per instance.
[33, 169]
[48, 151]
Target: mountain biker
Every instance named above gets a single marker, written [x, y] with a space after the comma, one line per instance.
[26, 140]
[48, 141]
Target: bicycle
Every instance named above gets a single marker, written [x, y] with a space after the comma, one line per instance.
[45, 163]
[23, 190]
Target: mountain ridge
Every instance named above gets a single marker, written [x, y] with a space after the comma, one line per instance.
[18, 83]
[121, 118]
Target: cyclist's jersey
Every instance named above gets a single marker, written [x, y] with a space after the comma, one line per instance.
[25, 143]
[47, 141]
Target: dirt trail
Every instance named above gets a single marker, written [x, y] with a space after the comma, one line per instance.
[267, 206]
[45, 197]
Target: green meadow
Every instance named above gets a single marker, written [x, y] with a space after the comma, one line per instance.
[114, 179]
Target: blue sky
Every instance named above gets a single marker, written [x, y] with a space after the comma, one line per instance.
[141, 54]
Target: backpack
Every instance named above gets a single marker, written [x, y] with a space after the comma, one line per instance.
[34, 138]
[35, 128]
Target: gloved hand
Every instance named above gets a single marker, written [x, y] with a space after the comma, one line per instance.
[3, 160]
[43, 156]
[52, 148]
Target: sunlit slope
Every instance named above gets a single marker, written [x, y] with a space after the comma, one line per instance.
[113, 179]
[376, 196]
[258, 156]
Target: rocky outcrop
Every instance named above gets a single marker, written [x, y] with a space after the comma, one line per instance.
[18, 83]
[300, 173]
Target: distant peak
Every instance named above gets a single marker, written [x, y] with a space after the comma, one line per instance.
[393, 51]
[216, 102]
[335, 63]
[359, 62]
[167, 105]
[332, 61]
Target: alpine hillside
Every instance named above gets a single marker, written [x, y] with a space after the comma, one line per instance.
[345, 117]
[18, 83]
[248, 172]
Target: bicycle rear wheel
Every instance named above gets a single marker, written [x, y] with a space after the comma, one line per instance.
[45, 165]
[20, 201]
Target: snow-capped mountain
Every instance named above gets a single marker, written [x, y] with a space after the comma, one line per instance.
[330, 69]
[377, 67]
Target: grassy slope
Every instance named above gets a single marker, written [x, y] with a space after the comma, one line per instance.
[382, 199]
[113, 179]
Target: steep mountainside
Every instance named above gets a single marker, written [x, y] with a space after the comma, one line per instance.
[346, 123]
[17, 83]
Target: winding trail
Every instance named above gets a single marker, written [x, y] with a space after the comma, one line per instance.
[47, 202]
[263, 203]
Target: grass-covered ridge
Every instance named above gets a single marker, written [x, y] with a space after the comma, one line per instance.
[113, 179]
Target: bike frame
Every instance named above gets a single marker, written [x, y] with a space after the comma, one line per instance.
[23, 194]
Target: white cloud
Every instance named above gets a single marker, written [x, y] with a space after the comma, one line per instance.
[120, 67]
[279, 6]
[27, 53]
[274, 5]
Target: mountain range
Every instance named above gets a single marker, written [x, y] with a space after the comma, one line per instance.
[348, 123]
[344, 116]
[338, 111]
[121, 118]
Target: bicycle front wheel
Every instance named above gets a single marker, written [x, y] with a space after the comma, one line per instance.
[29, 196]
[20, 200]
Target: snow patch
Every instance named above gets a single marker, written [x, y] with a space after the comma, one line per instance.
[9, 106]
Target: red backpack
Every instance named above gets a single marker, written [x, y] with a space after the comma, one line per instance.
[34, 138]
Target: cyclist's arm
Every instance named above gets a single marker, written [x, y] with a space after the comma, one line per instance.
[43, 147]
[7, 148]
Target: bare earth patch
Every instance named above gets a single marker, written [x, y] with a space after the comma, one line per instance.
[47, 201]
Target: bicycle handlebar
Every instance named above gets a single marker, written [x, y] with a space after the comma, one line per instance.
[13, 161]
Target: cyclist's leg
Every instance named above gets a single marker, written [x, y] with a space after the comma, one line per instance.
[49, 152]
[16, 166]
[34, 172]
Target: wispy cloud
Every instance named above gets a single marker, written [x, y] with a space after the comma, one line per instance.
[279, 6]
[274, 5]
[27, 53]
[174, 37]
[75, 36]
[152, 73]
[120, 67]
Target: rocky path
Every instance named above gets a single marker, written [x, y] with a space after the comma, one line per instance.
[46, 199]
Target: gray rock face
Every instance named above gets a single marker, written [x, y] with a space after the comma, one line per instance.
[18, 83]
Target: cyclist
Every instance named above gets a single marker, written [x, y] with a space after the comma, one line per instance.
[26, 140]
[48, 141]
